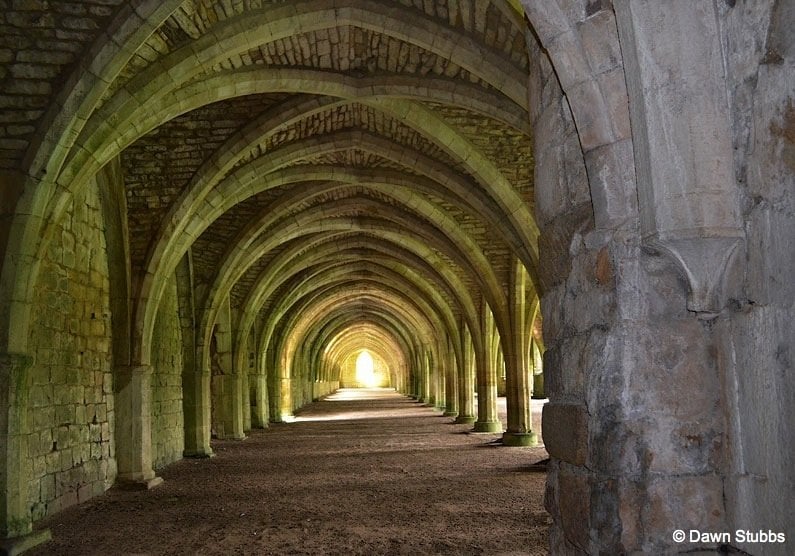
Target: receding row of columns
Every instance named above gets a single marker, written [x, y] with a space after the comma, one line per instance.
[457, 375]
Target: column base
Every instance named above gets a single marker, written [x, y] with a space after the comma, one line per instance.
[18, 545]
[140, 484]
[233, 437]
[520, 439]
[488, 426]
[465, 419]
[199, 455]
[450, 414]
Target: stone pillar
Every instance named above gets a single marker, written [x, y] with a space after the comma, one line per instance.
[230, 395]
[226, 379]
[273, 385]
[245, 404]
[195, 379]
[259, 417]
[488, 421]
[196, 410]
[439, 372]
[682, 137]
[420, 377]
[425, 383]
[451, 382]
[15, 518]
[519, 386]
[16, 526]
[429, 378]
[466, 380]
[285, 400]
[133, 402]
[538, 371]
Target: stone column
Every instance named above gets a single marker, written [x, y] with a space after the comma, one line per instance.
[285, 399]
[273, 385]
[439, 371]
[488, 420]
[420, 377]
[245, 405]
[423, 377]
[451, 385]
[133, 402]
[15, 520]
[196, 410]
[538, 371]
[259, 418]
[226, 380]
[466, 380]
[425, 395]
[230, 395]
[195, 379]
[441, 388]
[519, 386]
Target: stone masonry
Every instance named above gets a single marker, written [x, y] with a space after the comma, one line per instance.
[208, 209]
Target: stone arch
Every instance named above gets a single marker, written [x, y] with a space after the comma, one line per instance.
[341, 335]
[323, 301]
[383, 229]
[230, 271]
[387, 266]
[59, 194]
[31, 219]
[260, 175]
[582, 40]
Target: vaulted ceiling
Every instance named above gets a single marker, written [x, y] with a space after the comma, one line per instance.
[332, 165]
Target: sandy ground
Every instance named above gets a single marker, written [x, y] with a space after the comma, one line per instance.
[362, 472]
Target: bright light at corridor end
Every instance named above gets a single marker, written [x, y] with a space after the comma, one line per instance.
[366, 375]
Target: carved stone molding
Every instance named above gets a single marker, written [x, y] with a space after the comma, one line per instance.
[687, 192]
[705, 262]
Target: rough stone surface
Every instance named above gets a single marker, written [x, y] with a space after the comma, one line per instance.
[70, 445]
[350, 174]
[565, 432]
[168, 439]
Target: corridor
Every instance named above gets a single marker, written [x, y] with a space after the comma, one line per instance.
[365, 471]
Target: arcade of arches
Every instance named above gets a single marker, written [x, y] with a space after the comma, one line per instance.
[210, 210]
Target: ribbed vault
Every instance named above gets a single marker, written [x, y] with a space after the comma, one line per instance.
[210, 209]
[330, 172]
[313, 179]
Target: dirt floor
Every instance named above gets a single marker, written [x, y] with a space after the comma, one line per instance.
[362, 472]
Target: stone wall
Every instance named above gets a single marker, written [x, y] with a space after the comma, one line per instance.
[565, 217]
[661, 417]
[757, 335]
[71, 446]
[168, 438]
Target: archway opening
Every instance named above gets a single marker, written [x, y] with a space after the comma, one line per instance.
[365, 370]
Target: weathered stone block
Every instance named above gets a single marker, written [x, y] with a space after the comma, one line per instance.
[575, 507]
[565, 432]
[611, 171]
[555, 241]
[682, 503]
